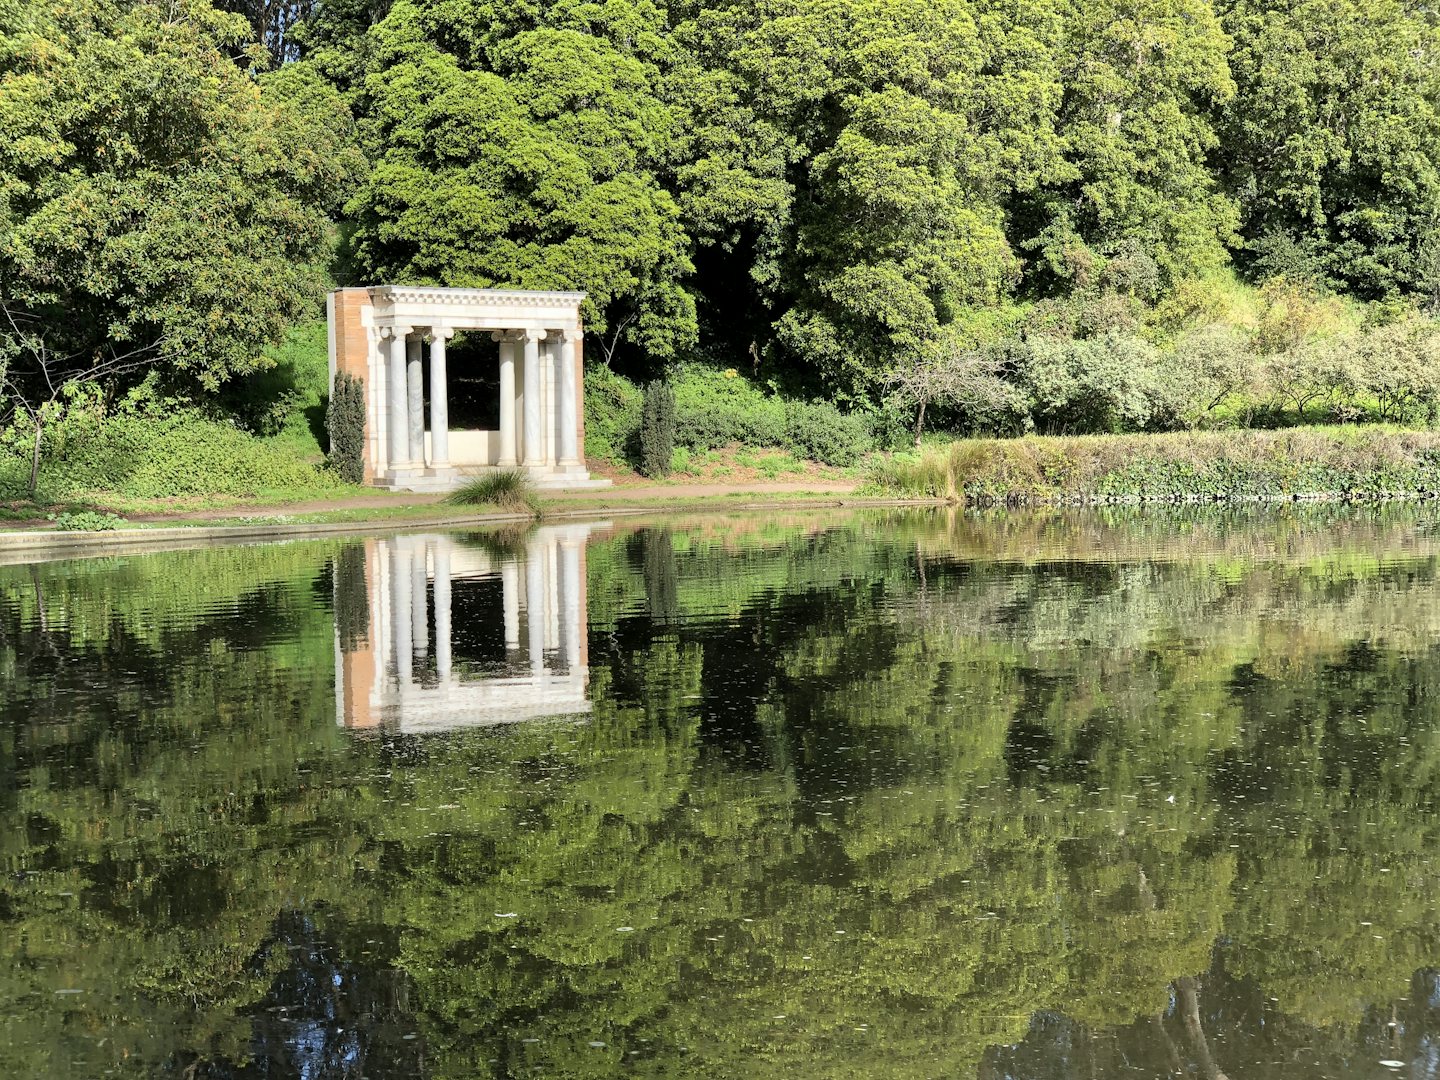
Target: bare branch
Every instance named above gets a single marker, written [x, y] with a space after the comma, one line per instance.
[29, 363]
[609, 346]
[967, 378]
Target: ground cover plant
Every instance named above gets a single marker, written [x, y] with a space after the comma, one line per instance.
[258, 438]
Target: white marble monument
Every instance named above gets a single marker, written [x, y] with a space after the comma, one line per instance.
[391, 336]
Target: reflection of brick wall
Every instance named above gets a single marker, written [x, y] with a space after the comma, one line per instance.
[357, 667]
[350, 344]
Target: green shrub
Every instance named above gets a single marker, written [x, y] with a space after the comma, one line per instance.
[287, 397]
[716, 409]
[152, 447]
[1207, 367]
[657, 430]
[821, 432]
[345, 424]
[86, 521]
[509, 489]
[720, 408]
[612, 417]
[1097, 384]
[1399, 365]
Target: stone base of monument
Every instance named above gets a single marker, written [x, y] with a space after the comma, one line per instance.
[566, 478]
[440, 481]
[421, 480]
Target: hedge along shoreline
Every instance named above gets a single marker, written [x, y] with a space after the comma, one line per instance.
[1358, 463]
[155, 454]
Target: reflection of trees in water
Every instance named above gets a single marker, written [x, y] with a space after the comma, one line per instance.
[326, 1014]
[352, 597]
[785, 744]
[1217, 1017]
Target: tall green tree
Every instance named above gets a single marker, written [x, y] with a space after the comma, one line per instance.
[1141, 82]
[898, 127]
[1332, 143]
[156, 196]
[528, 148]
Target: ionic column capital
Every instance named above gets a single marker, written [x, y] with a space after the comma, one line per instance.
[528, 336]
[506, 335]
[441, 333]
[397, 331]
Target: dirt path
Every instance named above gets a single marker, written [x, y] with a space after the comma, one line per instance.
[657, 495]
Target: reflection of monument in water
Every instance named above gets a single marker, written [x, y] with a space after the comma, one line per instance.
[437, 632]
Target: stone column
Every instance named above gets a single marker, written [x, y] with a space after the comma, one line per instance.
[439, 399]
[535, 607]
[419, 601]
[415, 402]
[508, 459]
[398, 405]
[534, 431]
[510, 602]
[569, 402]
[442, 606]
[549, 357]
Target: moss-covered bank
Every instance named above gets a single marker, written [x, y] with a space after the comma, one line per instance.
[1298, 463]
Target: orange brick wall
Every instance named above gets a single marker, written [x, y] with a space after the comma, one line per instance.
[351, 343]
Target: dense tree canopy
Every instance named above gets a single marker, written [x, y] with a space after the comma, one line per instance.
[1332, 143]
[837, 194]
[156, 195]
[529, 152]
[851, 189]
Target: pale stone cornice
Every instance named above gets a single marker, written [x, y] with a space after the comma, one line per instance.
[422, 294]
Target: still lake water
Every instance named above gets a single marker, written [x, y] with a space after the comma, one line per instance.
[872, 795]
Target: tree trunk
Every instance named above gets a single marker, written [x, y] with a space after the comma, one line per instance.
[919, 423]
[1189, 1009]
[35, 460]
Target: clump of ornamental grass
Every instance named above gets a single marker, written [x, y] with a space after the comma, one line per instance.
[508, 489]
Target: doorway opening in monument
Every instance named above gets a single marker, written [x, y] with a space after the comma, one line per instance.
[473, 369]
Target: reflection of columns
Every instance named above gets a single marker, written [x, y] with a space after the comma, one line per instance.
[507, 400]
[569, 402]
[441, 551]
[510, 589]
[439, 399]
[401, 584]
[395, 375]
[552, 595]
[534, 431]
[570, 585]
[419, 602]
[535, 609]
[415, 402]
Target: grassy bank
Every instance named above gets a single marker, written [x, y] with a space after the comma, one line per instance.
[148, 449]
[1311, 462]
